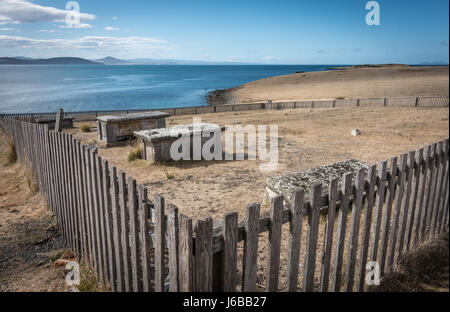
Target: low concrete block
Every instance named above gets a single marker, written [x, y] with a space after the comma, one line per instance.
[113, 129]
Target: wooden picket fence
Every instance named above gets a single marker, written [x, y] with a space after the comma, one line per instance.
[137, 244]
[423, 101]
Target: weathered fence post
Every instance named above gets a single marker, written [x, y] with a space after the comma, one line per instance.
[311, 242]
[295, 237]
[59, 120]
[250, 248]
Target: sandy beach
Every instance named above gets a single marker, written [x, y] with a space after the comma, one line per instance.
[356, 82]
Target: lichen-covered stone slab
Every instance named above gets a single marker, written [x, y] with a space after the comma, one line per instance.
[132, 117]
[286, 184]
[168, 134]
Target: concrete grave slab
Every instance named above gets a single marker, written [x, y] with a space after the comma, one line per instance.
[156, 143]
[113, 129]
[286, 184]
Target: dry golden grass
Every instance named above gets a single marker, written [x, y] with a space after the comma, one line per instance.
[425, 268]
[135, 155]
[7, 142]
[85, 128]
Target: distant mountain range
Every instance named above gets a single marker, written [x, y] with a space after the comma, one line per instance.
[147, 61]
[20, 60]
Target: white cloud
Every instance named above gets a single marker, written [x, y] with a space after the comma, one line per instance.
[46, 31]
[22, 11]
[77, 26]
[89, 43]
[115, 18]
[8, 29]
[270, 58]
[109, 28]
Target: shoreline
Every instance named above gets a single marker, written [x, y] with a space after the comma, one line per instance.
[359, 81]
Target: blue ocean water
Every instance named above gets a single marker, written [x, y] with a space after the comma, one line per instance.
[36, 88]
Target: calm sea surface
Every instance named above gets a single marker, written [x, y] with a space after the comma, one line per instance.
[25, 88]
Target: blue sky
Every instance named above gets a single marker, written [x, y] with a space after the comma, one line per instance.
[273, 32]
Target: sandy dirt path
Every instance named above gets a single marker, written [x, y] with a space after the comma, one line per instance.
[29, 239]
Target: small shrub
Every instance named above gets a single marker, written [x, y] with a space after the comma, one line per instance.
[135, 155]
[88, 281]
[169, 175]
[85, 128]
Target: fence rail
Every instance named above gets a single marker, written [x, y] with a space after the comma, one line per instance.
[136, 243]
[430, 101]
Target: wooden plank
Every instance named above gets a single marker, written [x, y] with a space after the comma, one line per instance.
[203, 256]
[90, 227]
[329, 233]
[116, 218]
[415, 196]
[230, 232]
[439, 186]
[352, 247]
[110, 246]
[250, 259]
[61, 223]
[64, 197]
[444, 192]
[50, 186]
[60, 187]
[406, 201]
[401, 178]
[145, 241]
[388, 212]
[273, 264]
[186, 262]
[434, 188]
[70, 193]
[429, 191]
[311, 242]
[96, 216]
[76, 199]
[295, 238]
[446, 213]
[102, 212]
[54, 185]
[86, 203]
[59, 120]
[341, 230]
[422, 188]
[370, 191]
[125, 230]
[381, 191]
[63, 192]
[159, 243]
[133, 207]
[172, 245]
